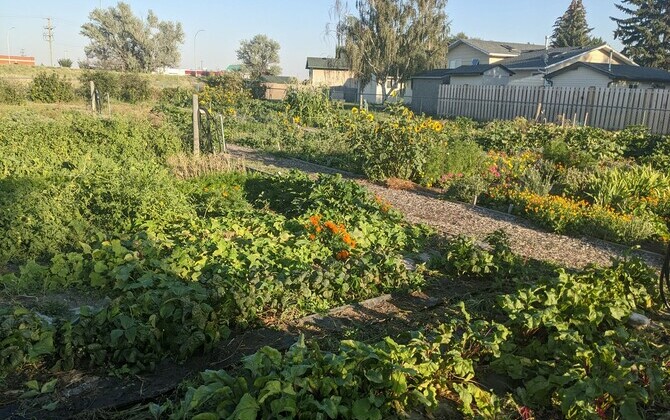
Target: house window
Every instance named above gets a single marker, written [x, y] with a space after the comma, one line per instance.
[455, 63]
[633, 85]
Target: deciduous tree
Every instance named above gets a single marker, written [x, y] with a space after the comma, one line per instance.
[123, 41]
[645, 33]
[395, 39]
[260, 56]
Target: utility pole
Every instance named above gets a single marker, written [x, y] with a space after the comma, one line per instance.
[49, 37]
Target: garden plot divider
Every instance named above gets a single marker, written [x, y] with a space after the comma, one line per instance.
[608, 108]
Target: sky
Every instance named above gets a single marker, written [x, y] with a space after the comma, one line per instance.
[298, 25]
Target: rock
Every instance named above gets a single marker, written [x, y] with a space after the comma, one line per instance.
[410, 264]
[638, 320]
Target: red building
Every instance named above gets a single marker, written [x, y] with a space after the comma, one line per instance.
[17, 59]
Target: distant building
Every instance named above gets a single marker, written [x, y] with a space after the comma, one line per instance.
[20, 60]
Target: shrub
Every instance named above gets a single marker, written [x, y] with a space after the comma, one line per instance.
[176, 96]
[597, 143]
[11, 93]
[225, 93]
[458, 157]
[133, 88]
[467, 188]
[311, 107]
[393, 147]
[65, 62]
[560, 153]
[50, 88]
[105, 81]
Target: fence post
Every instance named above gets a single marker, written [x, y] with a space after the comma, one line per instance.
[92, 84]
[196, 126]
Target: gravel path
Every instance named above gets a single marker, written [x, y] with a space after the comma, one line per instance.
[454, 219]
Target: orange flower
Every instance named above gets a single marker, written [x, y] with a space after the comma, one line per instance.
[332, 226]
[315, 220]
[312, 237]
[347, 240]
[342, 255]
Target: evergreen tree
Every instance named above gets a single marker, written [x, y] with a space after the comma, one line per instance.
[645, 34]
[571, 29]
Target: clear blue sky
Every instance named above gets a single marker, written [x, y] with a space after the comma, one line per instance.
[298, 25]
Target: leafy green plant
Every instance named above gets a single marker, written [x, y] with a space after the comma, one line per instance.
[106, 82]
[11, 93]
[50, 88]
[133, 88]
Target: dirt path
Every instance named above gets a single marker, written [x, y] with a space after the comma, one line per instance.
[453, 219]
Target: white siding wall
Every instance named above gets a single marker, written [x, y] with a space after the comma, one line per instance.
[581, 77]
[320, 77]
[466, 80]
[496, 77]
[527, 79]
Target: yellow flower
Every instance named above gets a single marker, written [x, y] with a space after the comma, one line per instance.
[354, 110]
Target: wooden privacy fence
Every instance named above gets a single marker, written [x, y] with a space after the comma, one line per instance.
[608, 108]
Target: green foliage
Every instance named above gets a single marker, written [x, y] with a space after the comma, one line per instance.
[260, 56]
[466, 188]
[11, 93]
[458, 158]
[571, 29]
[311, 107]
[393, 147]
[598, 144]
[65, 62]
[643, 32]
[358, 381]
[106, 82]
[570, 346]
[25, 338]
[133, 88]
[50, 88]
[122, 41]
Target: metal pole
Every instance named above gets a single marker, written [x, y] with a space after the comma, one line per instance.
[195, 58]
[9, 50]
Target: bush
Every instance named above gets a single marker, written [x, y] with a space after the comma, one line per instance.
[467, 188]
[105, 81]
[65, 62]
[50, 88]
[393, 147]
[11, 93]
[462, 157]
[133, 88]
[311, 107]
[597, 143]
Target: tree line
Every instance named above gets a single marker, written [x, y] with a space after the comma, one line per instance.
[381, 39]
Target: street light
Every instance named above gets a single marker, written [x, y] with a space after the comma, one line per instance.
[195, 60]
[9, 50]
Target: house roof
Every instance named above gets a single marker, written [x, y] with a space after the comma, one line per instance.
[536, 59]
[476, 70]
[501, 48]
[433, 74]
[327, 63]
[286, 80]
[459, 71]
[621, 72]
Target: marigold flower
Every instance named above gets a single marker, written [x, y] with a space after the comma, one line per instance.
[342, 255]
[312, 237]
[315, 219]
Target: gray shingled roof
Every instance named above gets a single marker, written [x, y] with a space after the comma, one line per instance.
[622, 72]
[433, 74]
[327, 63]
[476, 70]
[535, 59]
[459, 71]
[277, 79]
[499, 47]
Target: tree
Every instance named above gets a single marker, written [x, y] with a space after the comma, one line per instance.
[395, 39]
[571, 29]
[645, 34]
[123, 41]
[260, 56]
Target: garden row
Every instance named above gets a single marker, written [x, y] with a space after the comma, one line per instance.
[576, 180]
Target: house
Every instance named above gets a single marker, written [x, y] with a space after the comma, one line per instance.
[529, 62]
[530, 67]
[343, 83]
[425, 85]
[466, 52]
[277, 86]
[583, 74]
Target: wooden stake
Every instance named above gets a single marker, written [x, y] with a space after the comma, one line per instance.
[196, 126]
